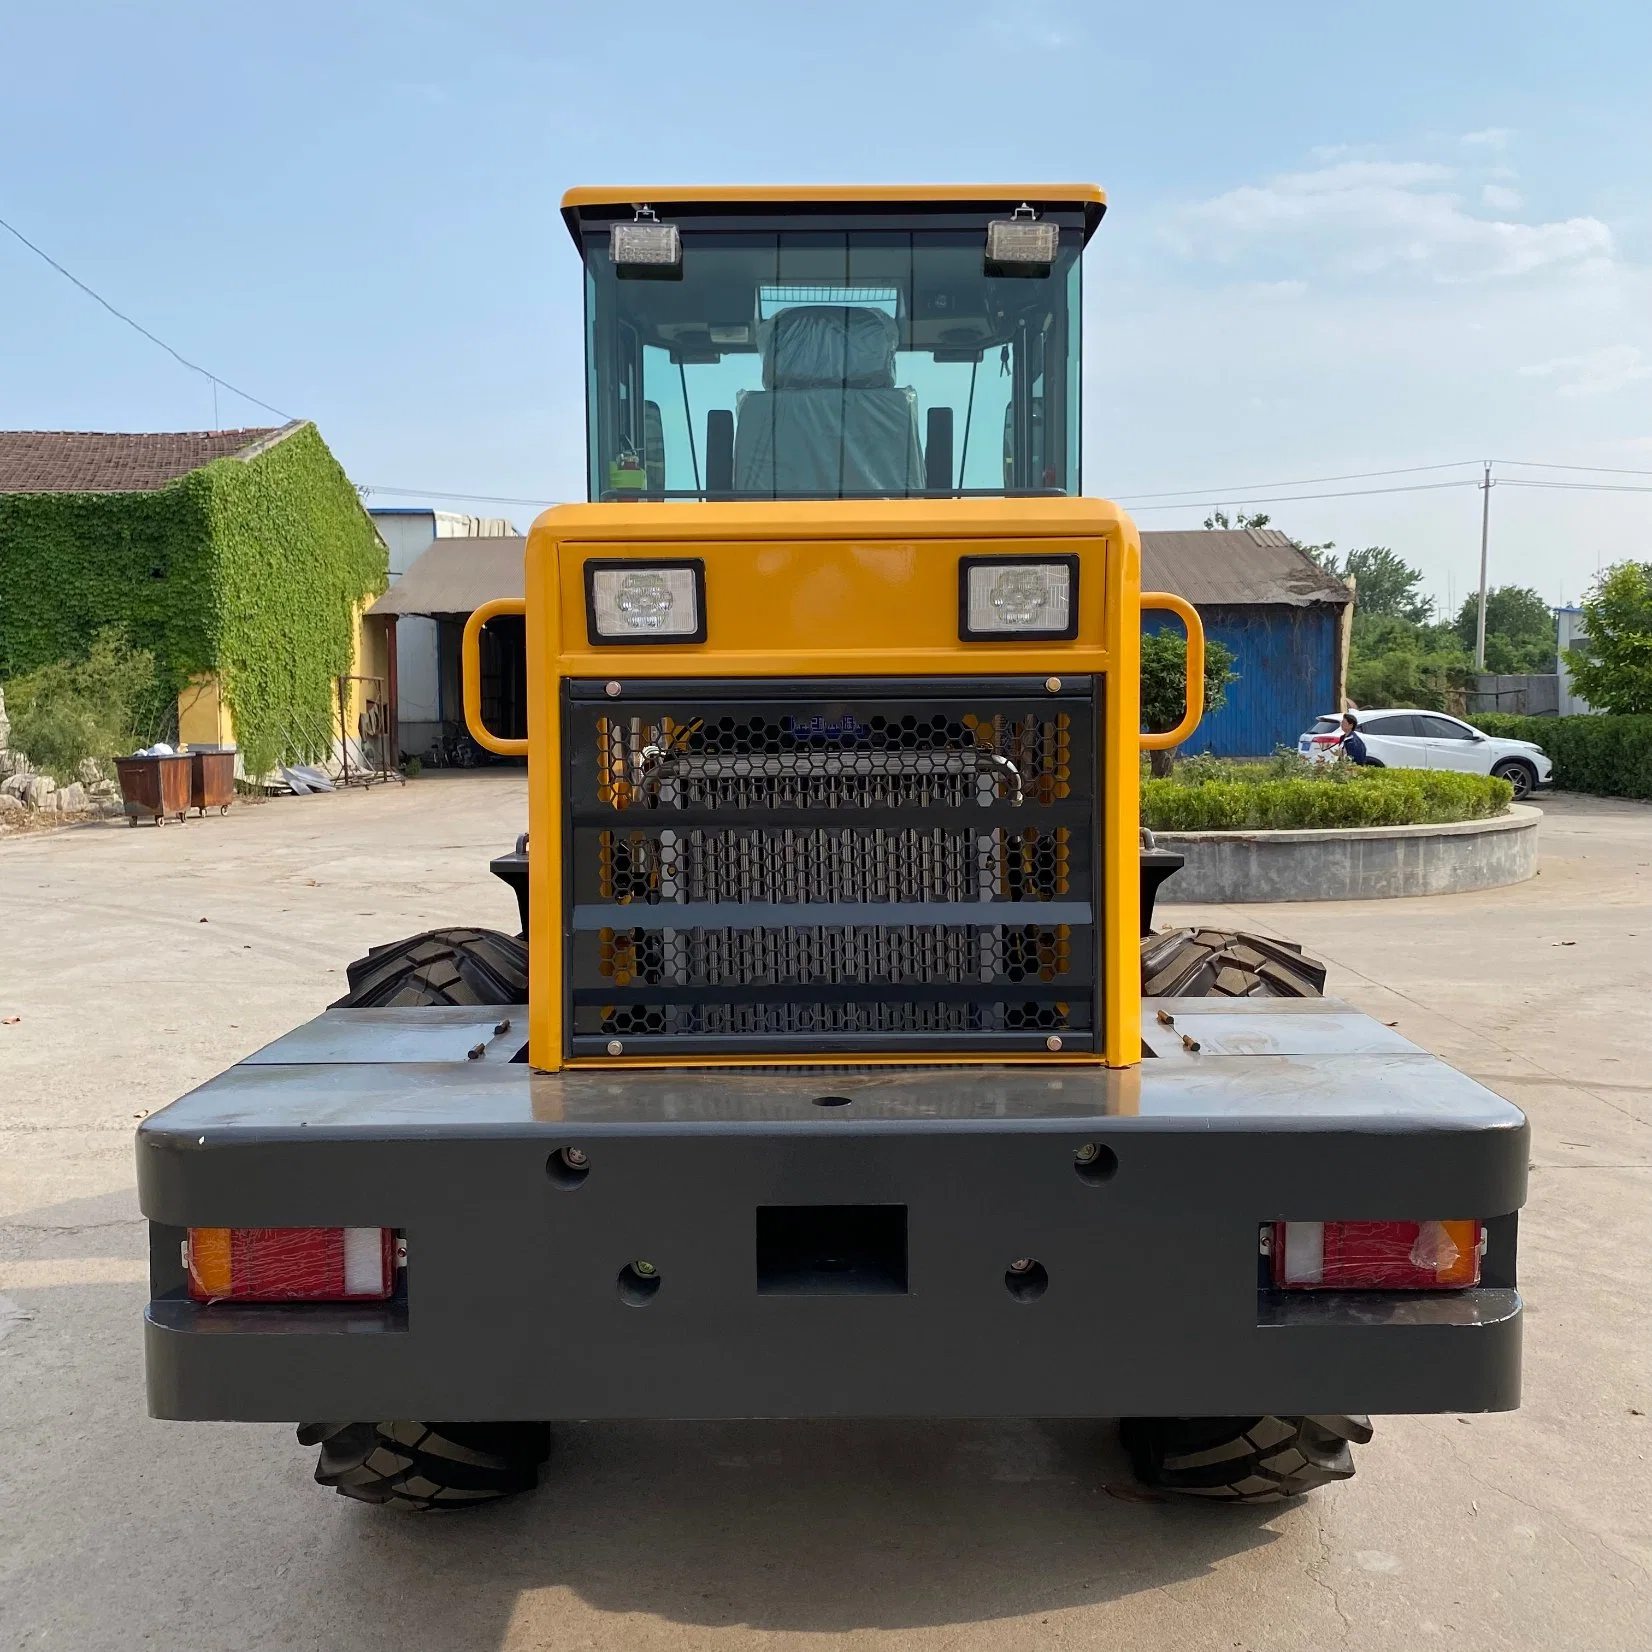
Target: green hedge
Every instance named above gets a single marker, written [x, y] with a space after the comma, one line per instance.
[1372, 797]
[1609, 756]
[249, 569]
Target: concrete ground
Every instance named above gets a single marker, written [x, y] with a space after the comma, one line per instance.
[137, 963]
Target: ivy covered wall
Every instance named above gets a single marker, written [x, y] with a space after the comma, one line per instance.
[252, 569]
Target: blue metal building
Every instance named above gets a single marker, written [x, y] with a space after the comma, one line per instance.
[1282, 616]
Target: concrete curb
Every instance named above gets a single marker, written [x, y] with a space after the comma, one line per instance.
[1357, 863]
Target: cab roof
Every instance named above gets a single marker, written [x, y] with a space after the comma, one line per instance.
[601, 204]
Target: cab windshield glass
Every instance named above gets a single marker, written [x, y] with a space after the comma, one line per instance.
[846, 363]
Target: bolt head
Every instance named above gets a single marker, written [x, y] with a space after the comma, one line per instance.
[575, 1157]
[1022, 1264]
[1086, 1153]
[615, 1047]
[613, 691]
[646, 1269]
[1053, 684]
[1052, 1042]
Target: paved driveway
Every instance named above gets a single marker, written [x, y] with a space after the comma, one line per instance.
[1532, 1530]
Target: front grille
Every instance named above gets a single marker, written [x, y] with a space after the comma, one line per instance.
[859, 866]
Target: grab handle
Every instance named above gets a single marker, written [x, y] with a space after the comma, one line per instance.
[471, 655]
[1189, 616]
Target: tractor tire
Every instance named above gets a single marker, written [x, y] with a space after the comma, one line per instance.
[441, 966]
[1226, 963]
[1242, 1459]
[428, 1465]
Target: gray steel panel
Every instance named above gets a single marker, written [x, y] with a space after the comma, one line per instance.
[434, 1034]
[512, 1307]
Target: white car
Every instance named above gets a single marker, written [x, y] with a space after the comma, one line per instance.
[1401, 739]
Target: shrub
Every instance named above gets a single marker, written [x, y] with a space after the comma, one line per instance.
[1609, 756]
[1338, 797]
[98, 707]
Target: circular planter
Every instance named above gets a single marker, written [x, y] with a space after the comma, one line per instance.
[1356, 863]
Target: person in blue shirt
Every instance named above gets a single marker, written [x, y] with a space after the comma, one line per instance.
[1353, 747]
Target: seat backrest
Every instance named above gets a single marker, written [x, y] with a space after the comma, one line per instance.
[830, 347]
[829, 419]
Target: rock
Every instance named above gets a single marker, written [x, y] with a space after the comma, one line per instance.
[92, 773]
[37, 789]
[11, 808]
[5, 723]
[15, 785]
[72, 800]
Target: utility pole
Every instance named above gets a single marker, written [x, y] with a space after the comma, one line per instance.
[1485, 534]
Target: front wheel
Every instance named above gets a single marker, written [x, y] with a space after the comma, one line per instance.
[428, 1465]
[1243, 1459]
[1519, 775]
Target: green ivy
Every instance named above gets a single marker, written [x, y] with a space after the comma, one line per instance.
[249, 569]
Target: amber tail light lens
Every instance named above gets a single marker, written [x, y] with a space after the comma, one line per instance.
[1376, 1256]
[290, 1264]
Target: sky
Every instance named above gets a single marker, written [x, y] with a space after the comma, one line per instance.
[1340, 240]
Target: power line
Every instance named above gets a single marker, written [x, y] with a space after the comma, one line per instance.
[1578, 487]
[137, 326]
[1213, 502]
[1599, 470]
[365, 489]
[1306, 482]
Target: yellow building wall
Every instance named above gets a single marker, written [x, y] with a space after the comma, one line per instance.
[204, 718]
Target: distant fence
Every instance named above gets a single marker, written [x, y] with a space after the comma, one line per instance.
[1536, 694]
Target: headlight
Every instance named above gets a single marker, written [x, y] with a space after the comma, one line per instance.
[645, 601]
[1013, 598]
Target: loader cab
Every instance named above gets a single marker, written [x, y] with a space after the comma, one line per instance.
[832, 344]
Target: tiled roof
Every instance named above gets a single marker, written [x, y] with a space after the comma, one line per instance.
[95, 461]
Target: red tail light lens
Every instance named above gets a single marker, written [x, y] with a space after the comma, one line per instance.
[1376, 1256]
[290, 1264]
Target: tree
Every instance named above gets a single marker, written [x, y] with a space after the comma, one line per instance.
[1385, 585]
[1164, 683]
[1613, 668]
[1219, 519]
[1520, 629]
[1394, 662]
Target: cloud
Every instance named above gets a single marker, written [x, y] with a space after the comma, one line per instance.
[1501, 198]
[1492, 137]
[1595, 372]
[1366, 216]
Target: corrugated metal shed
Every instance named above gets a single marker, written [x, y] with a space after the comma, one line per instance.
[456, 576]
[1236, 565]
[1279, 614]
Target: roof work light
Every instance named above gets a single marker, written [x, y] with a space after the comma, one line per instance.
[646, 246]
[1022, 244]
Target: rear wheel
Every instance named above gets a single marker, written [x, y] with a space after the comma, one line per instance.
[1226, 963]
[428, 1465]
[1522, 776]
[440, 966]
[1243, 1459]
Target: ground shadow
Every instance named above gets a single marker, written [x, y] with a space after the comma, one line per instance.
[827, 1527]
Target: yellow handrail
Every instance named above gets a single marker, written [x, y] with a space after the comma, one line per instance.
[472, 658]
[1189, 616]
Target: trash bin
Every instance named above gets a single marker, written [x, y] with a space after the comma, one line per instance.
[154, 786]
[211, 778]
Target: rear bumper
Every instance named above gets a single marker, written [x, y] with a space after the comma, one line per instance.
[513, 1306]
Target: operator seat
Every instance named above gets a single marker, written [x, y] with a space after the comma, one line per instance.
[829, 419]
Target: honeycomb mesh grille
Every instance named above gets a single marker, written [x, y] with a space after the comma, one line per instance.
[966, 811]
[833, 864]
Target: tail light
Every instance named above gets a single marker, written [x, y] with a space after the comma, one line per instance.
[290, 1264]
[1376, 1256]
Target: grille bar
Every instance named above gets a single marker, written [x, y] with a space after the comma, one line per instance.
[765, 915]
